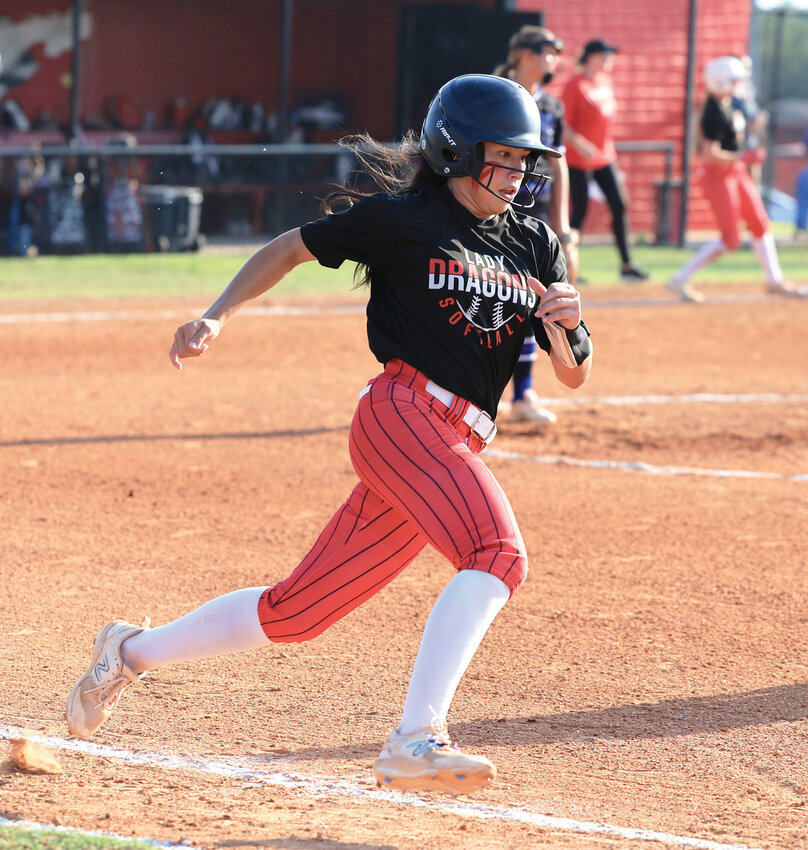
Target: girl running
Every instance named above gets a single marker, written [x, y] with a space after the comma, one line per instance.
[456, 277]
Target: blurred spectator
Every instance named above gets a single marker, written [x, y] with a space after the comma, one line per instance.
[25, 213]
[204, 167]
[801, 192]
[94, 199]
[122, 209]
[66, 231]
[589, 110]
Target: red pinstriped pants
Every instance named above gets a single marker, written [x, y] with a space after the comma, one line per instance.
[421, 481]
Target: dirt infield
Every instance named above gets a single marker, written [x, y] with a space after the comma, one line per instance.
[651, 674]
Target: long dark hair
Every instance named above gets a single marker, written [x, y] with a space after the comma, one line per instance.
[395, 170]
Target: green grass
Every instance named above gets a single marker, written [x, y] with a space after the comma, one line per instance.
[145, 275]
[599, 264]
[155, 275]
[23, 838]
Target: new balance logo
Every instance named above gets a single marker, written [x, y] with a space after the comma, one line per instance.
[101, 668]
[421, 748]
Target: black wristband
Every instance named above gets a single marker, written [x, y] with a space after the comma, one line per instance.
[579, 342]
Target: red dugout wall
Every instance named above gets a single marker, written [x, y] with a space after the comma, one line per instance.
[156, 50]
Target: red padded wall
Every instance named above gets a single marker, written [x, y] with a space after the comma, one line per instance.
[156, 50]
[649, 76]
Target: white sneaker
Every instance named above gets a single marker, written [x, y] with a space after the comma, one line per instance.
[503, 410]
[684, 291]
[787, 289]
[96, 693]
[427, 760]
[528, 409]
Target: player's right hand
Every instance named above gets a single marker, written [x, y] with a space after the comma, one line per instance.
[587, 149]
[560, 302]
[193, 339]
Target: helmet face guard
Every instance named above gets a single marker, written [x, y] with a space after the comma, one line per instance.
[477, 108]
[482, 172]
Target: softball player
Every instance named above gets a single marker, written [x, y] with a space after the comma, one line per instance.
[454, 276]
[534, 54]
[728, 185]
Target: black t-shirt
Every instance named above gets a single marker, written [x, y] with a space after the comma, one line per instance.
[448, 292]
[722, 123]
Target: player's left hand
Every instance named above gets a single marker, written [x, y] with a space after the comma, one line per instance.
[559, 302]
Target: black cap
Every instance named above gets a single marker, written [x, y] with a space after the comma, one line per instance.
[598, 45]
[547, 38]
[535, 39]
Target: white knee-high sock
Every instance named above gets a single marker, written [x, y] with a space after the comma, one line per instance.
[226, 624]
[766, 251]
[453, 631]
[706, 254]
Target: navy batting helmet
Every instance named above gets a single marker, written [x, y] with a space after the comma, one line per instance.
[477, 108]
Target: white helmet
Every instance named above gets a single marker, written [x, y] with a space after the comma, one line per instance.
[722, 73]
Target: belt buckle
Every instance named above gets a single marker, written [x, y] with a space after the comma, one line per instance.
[485, 434]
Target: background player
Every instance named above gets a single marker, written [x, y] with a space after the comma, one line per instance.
[454, 276]
[732, 193]
[756, 119]
[801, 193]
[589, 109]
[534, 54]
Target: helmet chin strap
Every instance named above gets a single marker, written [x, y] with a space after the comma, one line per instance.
[532, 193]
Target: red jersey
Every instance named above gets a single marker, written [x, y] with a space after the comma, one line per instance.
[589, 110]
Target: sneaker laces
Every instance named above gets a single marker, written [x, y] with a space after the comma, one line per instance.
[440, 735]
[110, 692]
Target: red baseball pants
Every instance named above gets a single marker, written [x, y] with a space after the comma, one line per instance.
[421, 481]
[734, 198]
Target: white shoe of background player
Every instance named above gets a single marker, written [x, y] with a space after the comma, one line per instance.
[684, 291]
[528, 409]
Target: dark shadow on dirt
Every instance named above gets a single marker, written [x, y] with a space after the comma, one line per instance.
[146, 438]
[667, 719]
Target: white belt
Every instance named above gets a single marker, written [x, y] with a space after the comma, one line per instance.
[480, 423]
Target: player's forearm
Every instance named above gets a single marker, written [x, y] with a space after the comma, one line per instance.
[265, 269]
[571, 349]
[572, 377]
[712, 152]
[571, 135]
